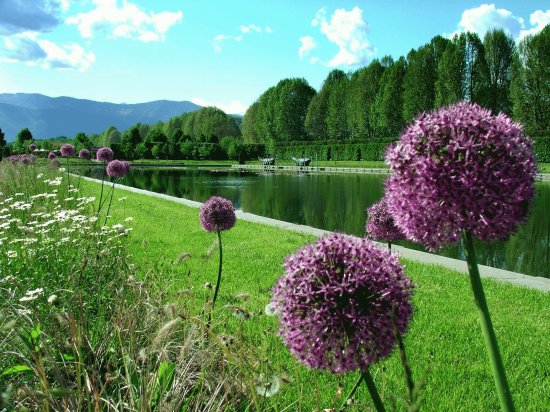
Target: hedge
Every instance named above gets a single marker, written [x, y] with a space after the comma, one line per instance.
[542, 149]
[374, 149]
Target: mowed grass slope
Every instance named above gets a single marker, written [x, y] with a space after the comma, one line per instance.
[444, 345]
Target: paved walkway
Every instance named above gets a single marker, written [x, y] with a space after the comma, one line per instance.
[533, 282]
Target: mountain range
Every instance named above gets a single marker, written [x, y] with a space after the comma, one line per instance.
[49, 117]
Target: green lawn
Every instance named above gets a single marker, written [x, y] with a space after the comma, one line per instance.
[444, 343]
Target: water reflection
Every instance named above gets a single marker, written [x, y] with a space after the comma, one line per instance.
[338, 203]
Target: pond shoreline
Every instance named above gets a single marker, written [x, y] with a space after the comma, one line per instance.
[519, 279]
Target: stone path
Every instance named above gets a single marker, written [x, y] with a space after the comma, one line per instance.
[515, 278]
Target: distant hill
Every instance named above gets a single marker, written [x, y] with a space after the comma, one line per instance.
[49, 117]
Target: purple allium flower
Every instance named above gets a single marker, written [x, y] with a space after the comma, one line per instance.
[335, 302]
[84, 154]
[55, 162]
[32, 147]
[380, 224]
[217, 214]
[25, 159]
[460, 168]
[104, 154]
[117, 168]
[52, 156]
[67, 150]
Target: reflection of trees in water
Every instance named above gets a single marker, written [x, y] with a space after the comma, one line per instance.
[338, 202]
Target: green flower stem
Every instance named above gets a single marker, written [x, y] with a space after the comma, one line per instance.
[219, 277]
[102, 184]
[373, 391]
[503, 389]
[352, 392]
[109, 206]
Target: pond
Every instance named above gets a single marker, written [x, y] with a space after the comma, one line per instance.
[337, 203]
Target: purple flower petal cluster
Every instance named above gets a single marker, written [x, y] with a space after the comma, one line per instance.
[104, 154]
[335, 302]
[24, 159]
[380, 224]
[32, 147]
[217, 214]
[84, 154]
[460, 168]
[67, 150]
[52, 156]
[117, 168]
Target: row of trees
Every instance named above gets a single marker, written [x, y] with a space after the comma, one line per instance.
[378, 100]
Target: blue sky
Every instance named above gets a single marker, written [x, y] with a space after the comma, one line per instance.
[223, 53]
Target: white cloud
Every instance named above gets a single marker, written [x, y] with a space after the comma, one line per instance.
[249, 28]
[538, 19]
[127, 21]
[18, 16]
[307, 44]
[28, 48]
[233, 107]
[487, 17]
[244, 30]
[348, 31]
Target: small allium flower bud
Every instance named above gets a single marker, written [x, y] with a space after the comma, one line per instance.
[32, 147]
[84, 154]
[460, 168]
[217, 214]
[336, 301]
[52, 155]
[380, 224]
[104, 154]
[67, 150]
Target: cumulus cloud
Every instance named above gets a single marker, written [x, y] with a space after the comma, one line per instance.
[18, 16]
[538, 20]
[348, 31]
[233, 107]
[125, 21]
[487, 17]
[307, 44]
[244, 30]
[28, 48]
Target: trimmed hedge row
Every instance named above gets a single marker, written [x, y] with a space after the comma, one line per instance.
[542, 148]
[371, 150]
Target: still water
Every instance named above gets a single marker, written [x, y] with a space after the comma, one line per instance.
[337, 203]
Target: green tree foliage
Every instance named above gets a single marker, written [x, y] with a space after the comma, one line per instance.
[362, 90]
[2, 144]
[450, 72]
[530, 87]
[109, 136]
[82, 141]
[389, 100]
[316, 116]
[156, 136]
[251, 124]
[130, 139]
[499, 55]
[337, 124]
[291, 100]
[141, 151]
[209, 124]
[476, 73]
[24, 136]
[419, 82]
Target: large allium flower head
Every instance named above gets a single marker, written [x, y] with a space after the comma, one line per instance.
[84, 154]
[32, 147]
[336, 300]
[380, 224]
[104, 154]
[217, 214]
[460, 168]
[117, 168]
[52, 156]
[67, 150]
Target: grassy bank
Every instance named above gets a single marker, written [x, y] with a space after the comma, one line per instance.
[444, 343]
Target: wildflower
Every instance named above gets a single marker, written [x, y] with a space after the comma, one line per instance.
[117, 168]
[12, 254]
[53, 300]
[84, 154]
[217, 214]
[67, 150]
[31, 295]
[39, 175]
[460, 168]
[380, 224]
[104, 154]
[270, 310]
[336, 300]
